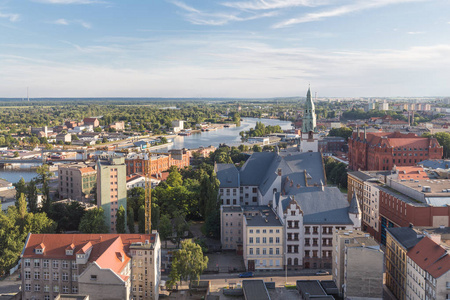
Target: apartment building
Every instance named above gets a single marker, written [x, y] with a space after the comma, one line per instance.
[231, 228]
[111, 188]
[263, 241]
[398, 242]
[428, 267]
[103, 266]
[76, 182]
[357, 265]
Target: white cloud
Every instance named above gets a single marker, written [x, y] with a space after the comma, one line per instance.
[69, 1]
[274, 4]
[416, 32]
[61, 22]
[340, 11]
[66, 22]
[11, 17]
[199, 17]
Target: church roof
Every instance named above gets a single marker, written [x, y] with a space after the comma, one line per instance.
[354, 205]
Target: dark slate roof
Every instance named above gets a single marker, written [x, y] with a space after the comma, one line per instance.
[311, 287]
[309, 161]
[255, 168]
[354, 205]
[262, 216]
[406, 236]
[329, 206]
[361, 175]
[228, 175]
[255, 289]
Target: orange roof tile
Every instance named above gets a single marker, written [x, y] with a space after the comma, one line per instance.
[429, 256]
[411, 172]
[87, 170]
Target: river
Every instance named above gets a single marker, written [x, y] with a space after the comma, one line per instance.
[205, 139]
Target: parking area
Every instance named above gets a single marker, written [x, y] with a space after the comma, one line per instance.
[226, 262]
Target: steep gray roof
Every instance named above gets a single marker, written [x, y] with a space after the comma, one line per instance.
[311, 162]
[436, 163]
[228, 175]
[255, 168]
[354, 205]
[406, 236]
[321, 207]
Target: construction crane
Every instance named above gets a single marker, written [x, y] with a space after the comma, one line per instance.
[148, 195]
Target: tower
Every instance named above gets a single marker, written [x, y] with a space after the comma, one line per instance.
[309, 115]
[309, 139]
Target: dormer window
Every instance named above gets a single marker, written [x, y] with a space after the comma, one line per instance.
[39, 251]
[69, 252]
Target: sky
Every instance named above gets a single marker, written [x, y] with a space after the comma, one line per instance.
[224, 48]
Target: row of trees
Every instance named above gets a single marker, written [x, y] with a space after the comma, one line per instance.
[336, 172]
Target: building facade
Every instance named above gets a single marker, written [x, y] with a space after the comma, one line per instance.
[103, 266]
[398, 242]
[111, 188]
[76, 182]
[383, 150]
[357, 265]
[159, 163]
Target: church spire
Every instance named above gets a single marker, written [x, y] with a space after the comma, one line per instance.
[309, 115]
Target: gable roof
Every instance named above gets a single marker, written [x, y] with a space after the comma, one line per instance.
[104, 247]
[430, 257]
[256, 167]
[228, 175]
[327, 206]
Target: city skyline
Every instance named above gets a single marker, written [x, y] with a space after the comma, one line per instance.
[224, 48]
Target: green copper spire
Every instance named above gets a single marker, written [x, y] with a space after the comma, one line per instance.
[309, 115]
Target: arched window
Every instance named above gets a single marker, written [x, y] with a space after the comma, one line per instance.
[295, 261]
[289, 261]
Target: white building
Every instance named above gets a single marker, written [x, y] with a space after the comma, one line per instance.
[178, 125]
[371, 205]
[383, 105]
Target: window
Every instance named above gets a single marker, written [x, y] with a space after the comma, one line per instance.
[74, 289]
[47, 297]
[37, 275]
[270, 251]
[55, 264]
[27, 287]
[271, 240]
[65, 276]
[257, 251]
[55, 276]
[250, 251]
[46, 288]
[251, 230]
[277, 251]
[277, 240]
[65, 289]
[46, 275]
[56, 289]
[74, 264]
[37, 263]
[27, 275]
[65, 264]
[93, 277]
[46, 263]
[257, 240]
[264, 240]
[264, 251]
[257, 230]
[27, 262]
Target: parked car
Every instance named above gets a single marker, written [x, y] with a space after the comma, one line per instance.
[246, 275]
[322, 272]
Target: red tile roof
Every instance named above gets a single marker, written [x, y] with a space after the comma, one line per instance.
[87, 170]
[104, 247]
[411, 172]
[430, 257]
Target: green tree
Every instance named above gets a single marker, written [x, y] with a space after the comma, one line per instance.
[189, 262]
[130, 220]
[94, 221]
[180, 226]
[43, 177]
[174, 179]
[344, 132]
[32, 195]
[120, 220]
[165, 228]
[21, 187]
[257, 148]
[141, 219]
[21, 205]
[135, 199]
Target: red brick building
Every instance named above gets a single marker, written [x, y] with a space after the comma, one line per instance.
[399, 210]
[382, 150]
[159, 163]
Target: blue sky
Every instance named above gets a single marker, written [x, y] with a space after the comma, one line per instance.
[224, 48]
